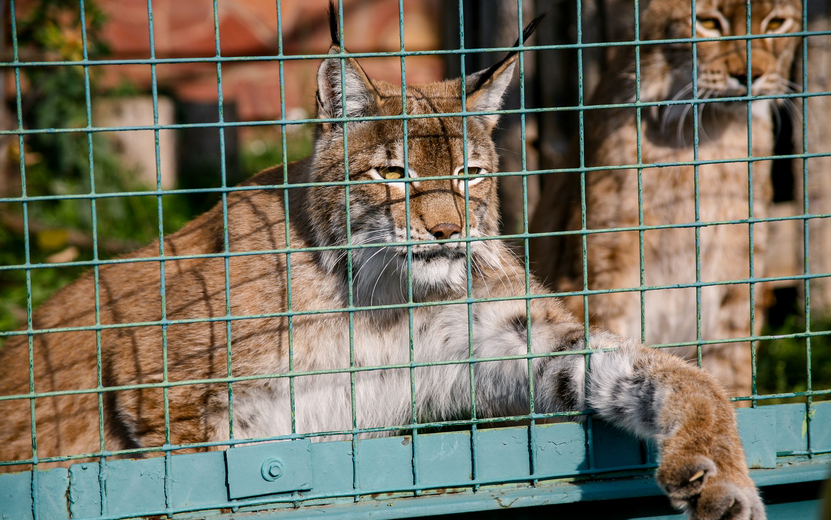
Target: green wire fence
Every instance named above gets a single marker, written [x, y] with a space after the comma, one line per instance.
[428, 468]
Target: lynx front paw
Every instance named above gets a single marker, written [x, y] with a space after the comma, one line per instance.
[695, 485]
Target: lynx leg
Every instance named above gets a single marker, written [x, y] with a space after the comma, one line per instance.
[654, 394]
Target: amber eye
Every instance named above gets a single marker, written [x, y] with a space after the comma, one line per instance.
[711, 24]
[391, 172]
[472, 170]
[774, 24]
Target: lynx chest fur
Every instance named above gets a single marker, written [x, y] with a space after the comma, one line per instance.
[667, 135]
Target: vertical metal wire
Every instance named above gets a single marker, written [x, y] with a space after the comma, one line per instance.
[168, 486]
[284, 151]
[583, 227]
[349, 262]
[751, 267]
[95, 257]
[639, 145]
[470, 350]
[226, 242]
[28, 261]
[696, 114]
[805, 236]
[532, 426]
[407, 216]
[92, 201]
[286, 227]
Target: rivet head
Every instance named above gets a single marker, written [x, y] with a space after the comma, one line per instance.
[272, 469]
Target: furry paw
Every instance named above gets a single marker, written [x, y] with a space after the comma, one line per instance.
[694, 485]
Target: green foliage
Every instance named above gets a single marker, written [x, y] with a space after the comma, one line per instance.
[782, 364]
[56, 97]
[13, 283]
[70, 163]
[79, 163]
[54, 26]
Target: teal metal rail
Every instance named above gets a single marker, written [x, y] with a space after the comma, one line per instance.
[418, 472]
[317, 478]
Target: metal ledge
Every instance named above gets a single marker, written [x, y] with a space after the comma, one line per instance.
[786, 444]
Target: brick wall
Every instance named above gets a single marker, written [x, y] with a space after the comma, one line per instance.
[185, 29]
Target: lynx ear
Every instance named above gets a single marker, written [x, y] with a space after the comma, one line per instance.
[359, 96]
[353, 90]
[489, 91]
[486, 88]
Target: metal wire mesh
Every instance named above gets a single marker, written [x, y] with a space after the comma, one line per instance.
[416, 429]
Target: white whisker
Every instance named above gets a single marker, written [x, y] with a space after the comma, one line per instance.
[378, 279]
[682, 141]
[669, 109]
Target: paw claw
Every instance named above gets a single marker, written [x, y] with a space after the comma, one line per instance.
[694, 483]
[685, 477]
[697, 475]
[725, 501]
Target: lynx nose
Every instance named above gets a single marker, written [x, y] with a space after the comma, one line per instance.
[741, 76]
[445, 230]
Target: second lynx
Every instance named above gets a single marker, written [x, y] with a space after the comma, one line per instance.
[670, 194]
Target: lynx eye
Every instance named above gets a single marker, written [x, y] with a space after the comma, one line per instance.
[391, 172]
[711, 24]
[473, 176]
[774, 24]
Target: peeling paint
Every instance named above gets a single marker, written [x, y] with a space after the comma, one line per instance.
[812, 412]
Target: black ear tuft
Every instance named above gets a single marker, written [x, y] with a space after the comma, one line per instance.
[333, 24]
[485, 76]
[486, 88]
[343, 88]
[530, 28]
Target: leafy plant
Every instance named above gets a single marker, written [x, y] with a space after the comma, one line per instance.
[69, 163]
[782, 364]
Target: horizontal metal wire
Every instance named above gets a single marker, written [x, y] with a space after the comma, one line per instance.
[399, 54]
[399, 366]
[288, 186]
[407, 117]
[375, 245]
[413, 305]
[413, 364]
[356, 431]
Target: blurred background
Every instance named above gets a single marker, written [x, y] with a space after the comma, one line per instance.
[257, 90]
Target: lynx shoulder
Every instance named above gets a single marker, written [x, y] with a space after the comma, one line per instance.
[669, 192]
[278, 308]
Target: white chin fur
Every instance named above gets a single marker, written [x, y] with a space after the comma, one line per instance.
[438, 274]
[381, 277]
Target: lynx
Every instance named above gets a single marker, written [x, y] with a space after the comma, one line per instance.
[448, 197]
[667, 136]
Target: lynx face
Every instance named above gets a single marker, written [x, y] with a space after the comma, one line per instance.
[401, 199]
[722, 65]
